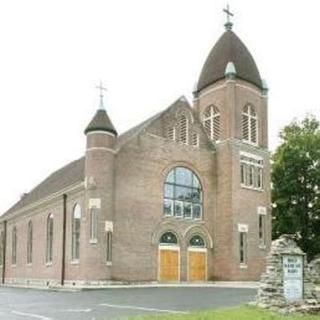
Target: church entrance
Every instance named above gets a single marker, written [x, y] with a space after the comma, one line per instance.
[169, 256]
[197, 259]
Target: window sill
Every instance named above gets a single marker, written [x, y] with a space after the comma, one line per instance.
[13, 265]
[109, 263]
[182, 218]
[74, 262]
[251, 188]
[49, 264]
[262, 247]
[29, 265]
[93, 241]
[243, 266]
[254, 144]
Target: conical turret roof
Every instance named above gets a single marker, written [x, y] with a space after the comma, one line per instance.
[101, 122]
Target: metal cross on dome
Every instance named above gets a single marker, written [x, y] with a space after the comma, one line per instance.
[101, 88]
[228, 13]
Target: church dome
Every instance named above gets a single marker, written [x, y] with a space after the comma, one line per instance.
[229, 48]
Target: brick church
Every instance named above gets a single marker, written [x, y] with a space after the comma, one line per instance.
[183, 196]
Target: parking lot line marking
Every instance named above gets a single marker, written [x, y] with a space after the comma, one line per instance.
[31, 315]
[119, 306]
[79, 310]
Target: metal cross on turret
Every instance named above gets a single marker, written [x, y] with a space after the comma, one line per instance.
[101, 88]
[229, 14]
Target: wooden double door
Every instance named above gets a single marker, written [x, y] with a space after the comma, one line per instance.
[169, 264]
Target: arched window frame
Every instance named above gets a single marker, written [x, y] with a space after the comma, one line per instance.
[29, 242]
[250, 126]
[197, 241]
[168, 238]
[14, 246]
[75, 226]
[211, 122]
[183, 200]
[49, 248]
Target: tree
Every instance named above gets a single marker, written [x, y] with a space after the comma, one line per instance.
[296, 184]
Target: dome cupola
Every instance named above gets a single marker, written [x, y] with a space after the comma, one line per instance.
[229, 48]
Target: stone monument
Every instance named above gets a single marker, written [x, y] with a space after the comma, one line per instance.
[288, 285]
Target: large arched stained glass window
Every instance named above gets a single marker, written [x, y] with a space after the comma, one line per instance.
[182, 194]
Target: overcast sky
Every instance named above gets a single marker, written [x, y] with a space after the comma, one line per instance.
[148, 53]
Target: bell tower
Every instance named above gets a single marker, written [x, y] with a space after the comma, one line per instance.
[231, 101]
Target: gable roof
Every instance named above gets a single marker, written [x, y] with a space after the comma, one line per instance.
[128, 135]
[60, 179]
[74, 171]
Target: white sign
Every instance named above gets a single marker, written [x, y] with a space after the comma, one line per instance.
[293, 277]
[243, 227]
[95, 203]
[109, 226]
[262, 210]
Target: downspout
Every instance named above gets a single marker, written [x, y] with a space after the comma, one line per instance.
[64, 221]
[4, 243]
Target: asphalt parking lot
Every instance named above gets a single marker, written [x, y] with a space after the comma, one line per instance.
[16, 304]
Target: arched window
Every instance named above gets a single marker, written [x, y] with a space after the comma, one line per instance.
[49, 238]
[183, 129]
[109, 246]
[76, 221]
[211, 122]
[14, 246]
[197, 241]
[29, 243]
[182, 194]
[249, 125]
[168, 238]
[93, 224]
[1, 247]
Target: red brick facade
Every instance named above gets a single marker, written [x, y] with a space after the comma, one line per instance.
[124, 181]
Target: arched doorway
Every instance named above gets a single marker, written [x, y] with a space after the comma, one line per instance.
[169, 257]
[197, 259]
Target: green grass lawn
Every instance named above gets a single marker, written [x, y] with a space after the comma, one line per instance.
[236, 313]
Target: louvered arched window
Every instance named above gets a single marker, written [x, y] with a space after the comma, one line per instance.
[249, 125]
[211, 122]
[183, 129]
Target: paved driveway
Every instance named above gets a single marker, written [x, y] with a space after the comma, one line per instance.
[108, 304]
